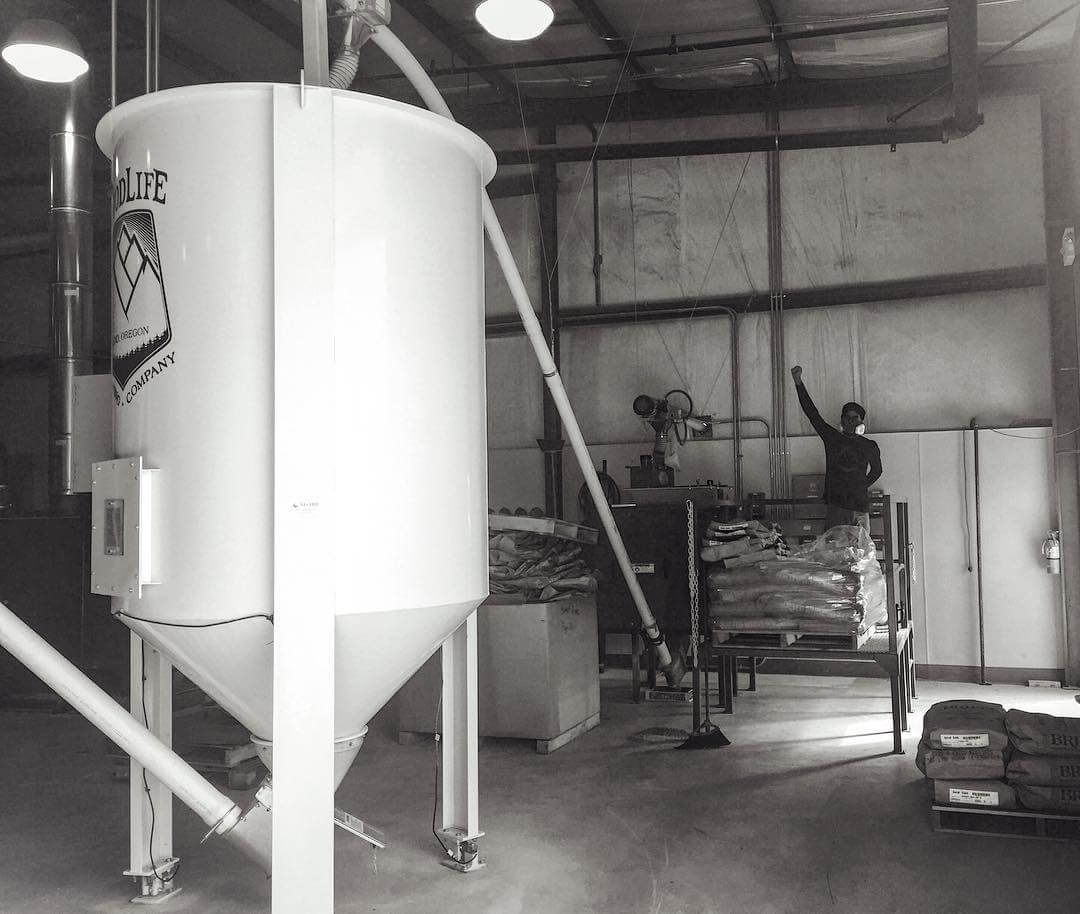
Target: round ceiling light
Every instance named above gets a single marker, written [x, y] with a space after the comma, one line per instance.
[514, 20]
[44, 50]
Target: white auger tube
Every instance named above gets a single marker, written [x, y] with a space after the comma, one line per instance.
[415, 73]
[220, 813]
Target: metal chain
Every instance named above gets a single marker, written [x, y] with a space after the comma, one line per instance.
[691, 568]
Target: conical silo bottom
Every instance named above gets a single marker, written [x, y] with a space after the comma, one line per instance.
[346, 748]
[376, 653]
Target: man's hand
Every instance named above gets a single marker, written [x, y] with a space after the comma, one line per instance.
[796, 373]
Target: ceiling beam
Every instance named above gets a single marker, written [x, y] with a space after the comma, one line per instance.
[278, 24]
[446, 34]
[1019, 277]
[667, 104]
[768, 13]
[601, 25]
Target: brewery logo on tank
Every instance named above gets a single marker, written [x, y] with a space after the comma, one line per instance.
[141, 328]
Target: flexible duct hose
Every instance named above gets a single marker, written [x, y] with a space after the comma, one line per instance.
[343, 70]
[415, 73]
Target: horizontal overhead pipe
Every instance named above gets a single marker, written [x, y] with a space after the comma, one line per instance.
[676, 48]
[766, 142]
[666, 103]
[1024, 277]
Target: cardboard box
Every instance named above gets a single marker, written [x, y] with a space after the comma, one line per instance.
[538, 671]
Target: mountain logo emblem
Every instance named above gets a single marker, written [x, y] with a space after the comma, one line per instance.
[141, 327]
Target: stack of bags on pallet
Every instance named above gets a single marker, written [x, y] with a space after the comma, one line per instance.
[742, 542]
[537, 566]
[963, 753]
[832, 586]
[1045, 764]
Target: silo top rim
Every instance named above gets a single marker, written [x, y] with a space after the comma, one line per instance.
[113, 122]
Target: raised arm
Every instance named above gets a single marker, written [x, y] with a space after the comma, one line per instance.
[875, 467]
[820, 425]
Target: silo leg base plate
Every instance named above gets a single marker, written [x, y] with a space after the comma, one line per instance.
[462, 850]
[157, 899]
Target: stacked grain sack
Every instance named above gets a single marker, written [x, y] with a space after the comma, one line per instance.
[963, 752]
[1045, 764]
[742, 542]
[832, 586]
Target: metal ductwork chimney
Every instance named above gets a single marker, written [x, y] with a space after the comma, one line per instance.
[71, 309]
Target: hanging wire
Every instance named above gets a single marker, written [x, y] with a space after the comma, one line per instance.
[1033, 437]
[720, 237]
[528, 159]
[894, 118]
[600, 133]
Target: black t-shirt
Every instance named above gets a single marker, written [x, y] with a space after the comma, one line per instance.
[852, 462]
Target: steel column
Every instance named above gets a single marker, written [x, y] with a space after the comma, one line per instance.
[316, 43]
[304, 519]
[460, 749]
[151, 806]
[552, 442]
[1061, 149]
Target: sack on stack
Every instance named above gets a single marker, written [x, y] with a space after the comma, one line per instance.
[539, 567]
[963, 753]
[1045, 769]
[732, 542]
[834, 585]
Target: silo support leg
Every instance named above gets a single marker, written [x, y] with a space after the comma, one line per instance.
[460, 745]
[152, 860]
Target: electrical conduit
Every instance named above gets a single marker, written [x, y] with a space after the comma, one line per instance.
[417, 76]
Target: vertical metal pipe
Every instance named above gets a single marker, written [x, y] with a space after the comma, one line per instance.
[149, 42]
[157, 44]
[736, 407]
[70, 291]
[112, 55]
[552, 443]
[978, 561]
[598, 254]
[316, 44]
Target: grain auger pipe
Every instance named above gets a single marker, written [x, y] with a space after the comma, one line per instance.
[415, 73]
[248, 830]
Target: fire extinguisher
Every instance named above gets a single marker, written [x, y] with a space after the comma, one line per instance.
[1051, 550]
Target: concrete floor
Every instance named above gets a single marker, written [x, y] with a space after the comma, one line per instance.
[807, 811]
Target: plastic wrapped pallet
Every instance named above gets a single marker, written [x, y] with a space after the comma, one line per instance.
[965, 724]
[793, 604]
[953, 764]
[974, 792]
[1044, 770]
[1049, 799]
[835, 582]
[1043, 734]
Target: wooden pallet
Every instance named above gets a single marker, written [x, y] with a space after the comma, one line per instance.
[851, 641]
[544, 526]
[1005, 823]
[543, 746]
[242, 776]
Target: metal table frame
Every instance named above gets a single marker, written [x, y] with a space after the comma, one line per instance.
[895, 662]
[892, 651]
